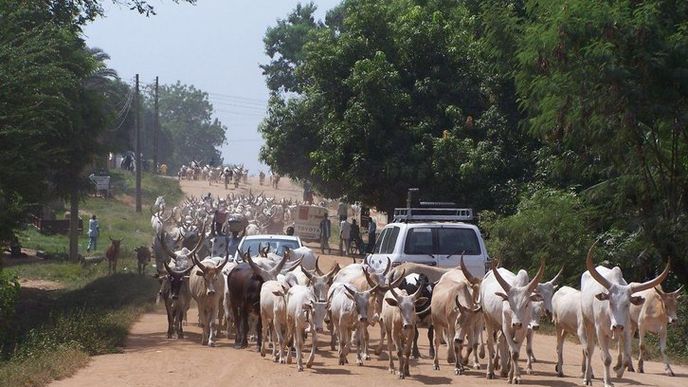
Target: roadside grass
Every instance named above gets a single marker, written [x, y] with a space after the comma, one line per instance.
[117, 218]
[55, 331]
[53, 342]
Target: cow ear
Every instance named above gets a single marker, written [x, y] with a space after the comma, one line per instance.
[392, 301]
[278, 293]
[199, 273]
[504, 296]
[536, 297]
[349, 296]
[602, 296]
[637, 300]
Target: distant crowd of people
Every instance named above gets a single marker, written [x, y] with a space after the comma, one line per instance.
[350, 240]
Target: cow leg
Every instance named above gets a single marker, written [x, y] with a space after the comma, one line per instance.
[662, 348]
[436, 340]
[170, 320]
[530, 359]
[476, 337]
[390, 350]
[399, 343]
[298, 336]
[414, 352]
[290, 337]
[604, 342]
[627, 358]
[279, 344]
[366, 341]
[383, 332]
[449, 339]
[212, 317]
[586, 335]
[229, 313]
[431, 341]
[561, 335]
[490, 351]
[314, 346]
[407, 353]
[262, 345]
[641, 349]
[339, 331]
[330, 327]
[259, 331]
[178, 322]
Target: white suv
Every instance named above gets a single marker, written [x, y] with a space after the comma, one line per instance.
[434, 237]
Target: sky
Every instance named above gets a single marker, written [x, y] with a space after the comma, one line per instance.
[215, 45]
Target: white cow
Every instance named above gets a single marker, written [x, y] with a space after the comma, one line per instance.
[301, 303]
[605, 302]
[349, 311]
[506, 301]
[273, 316]
[207, 286]
[399, 319]
[568, 320]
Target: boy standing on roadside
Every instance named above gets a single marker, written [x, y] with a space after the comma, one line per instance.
[93, 232]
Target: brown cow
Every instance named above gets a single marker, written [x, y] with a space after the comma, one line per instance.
[112, 253]
[143, 256]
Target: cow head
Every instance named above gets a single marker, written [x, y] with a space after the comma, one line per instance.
[181, 254]
[407, 306]
[321, 283]
[620, 296]
[268, 275]
[520, 298]
[176, 280]
[380, 282]
[115, 243]
[546, 290]
[319, 311]
[537, 311]
[468, 312]
[210, 273]
[670, 301]
[361, 300]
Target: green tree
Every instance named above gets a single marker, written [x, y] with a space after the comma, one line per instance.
[605, 86]
[186, 115]
[388, 93]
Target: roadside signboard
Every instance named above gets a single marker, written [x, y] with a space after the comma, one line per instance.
[307, 222]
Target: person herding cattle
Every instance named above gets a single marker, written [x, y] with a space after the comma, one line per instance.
[325, 233]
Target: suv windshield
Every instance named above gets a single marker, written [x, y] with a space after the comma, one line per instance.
[277, 246]
[444, 241]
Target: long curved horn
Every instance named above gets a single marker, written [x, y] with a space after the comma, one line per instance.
[224, 262]
[421, 285]
[294, 265]
[654, 282]
[351, 291]
[505, 285]
[277, 269]
[677, 291]
[371, 281]
[334, 271]
[538, 277]
[389, 266]
[317, 268]
[175, 272]
[198, 263]
[201, 238]
[591, 268]
[308, 274]
[556, 277]
[395, 282]
[266, 275]
[166, 249]
[424, 310]
[467, 273]
[391, 290]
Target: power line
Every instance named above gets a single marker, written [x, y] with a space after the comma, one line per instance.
[230, 96]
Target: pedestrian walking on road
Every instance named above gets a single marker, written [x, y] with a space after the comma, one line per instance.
[344, 237]
[356, 238]
[372, 236]
[325, 233]
[342, 211]
[93, 232]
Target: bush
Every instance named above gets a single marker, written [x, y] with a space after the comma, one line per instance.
[549, 224]
[9, 293]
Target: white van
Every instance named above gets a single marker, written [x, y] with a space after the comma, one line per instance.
[433, 236]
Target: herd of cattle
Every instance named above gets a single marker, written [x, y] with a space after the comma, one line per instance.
[282, 299]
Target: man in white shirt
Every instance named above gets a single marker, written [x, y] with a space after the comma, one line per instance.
[344, 237]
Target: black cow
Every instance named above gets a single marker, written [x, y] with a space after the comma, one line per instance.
[410, 283]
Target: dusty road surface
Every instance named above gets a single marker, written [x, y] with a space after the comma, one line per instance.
[150, 359]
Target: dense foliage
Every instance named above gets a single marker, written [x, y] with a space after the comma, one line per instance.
[566, 123]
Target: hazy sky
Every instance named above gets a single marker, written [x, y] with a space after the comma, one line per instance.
[215, 45]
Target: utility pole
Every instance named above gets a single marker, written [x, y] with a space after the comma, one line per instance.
[138, 147]
[156, 129]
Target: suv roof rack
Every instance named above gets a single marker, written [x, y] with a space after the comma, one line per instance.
[406, 215]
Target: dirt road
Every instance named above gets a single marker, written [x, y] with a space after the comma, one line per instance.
[150, 359]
